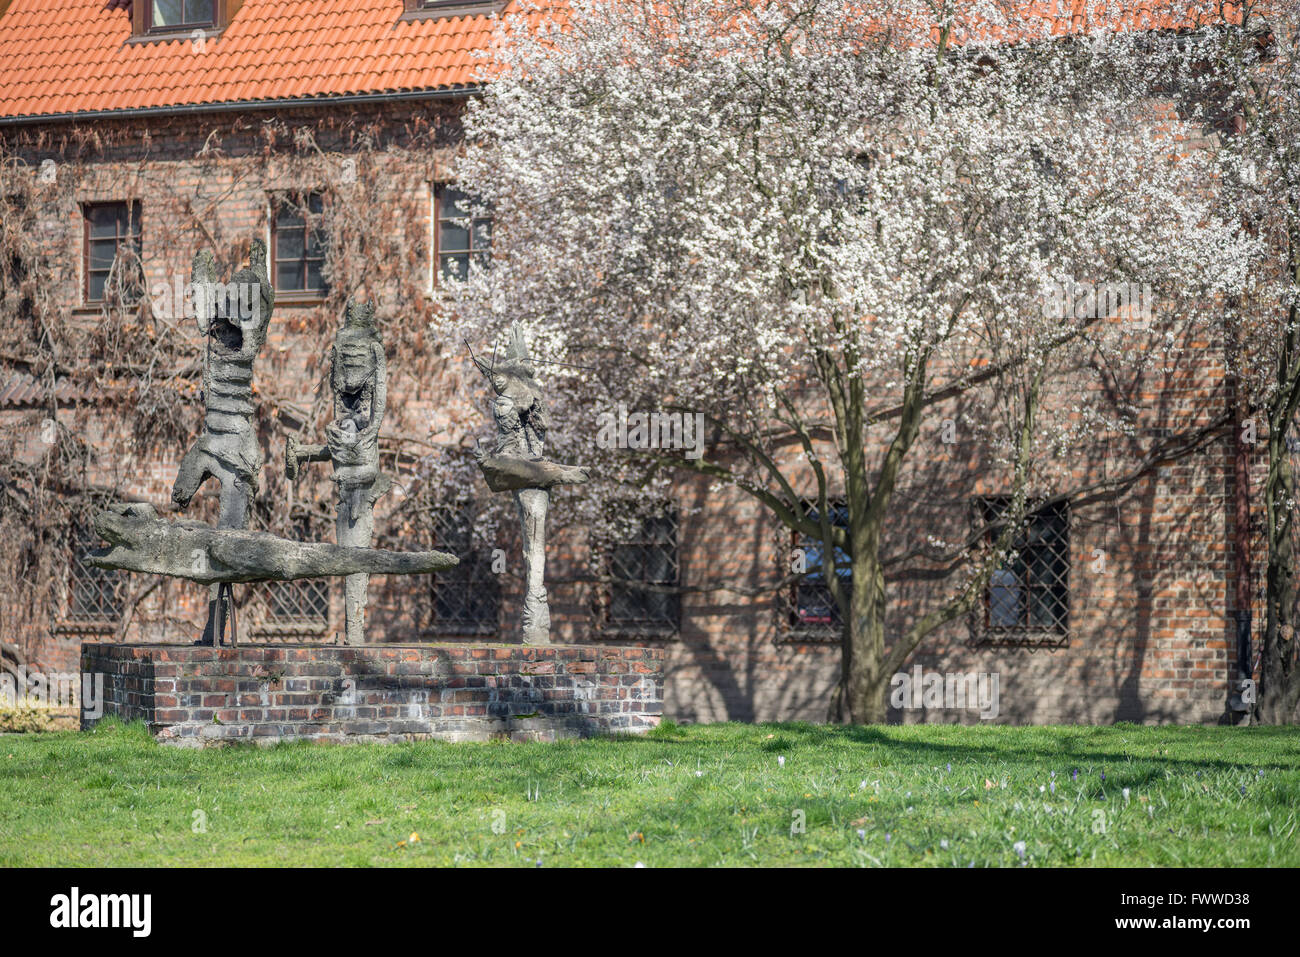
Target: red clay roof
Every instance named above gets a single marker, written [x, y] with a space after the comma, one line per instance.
[67, 57]
[76, 56]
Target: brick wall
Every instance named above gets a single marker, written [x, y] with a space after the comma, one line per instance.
[1150, 632]
[195, 695]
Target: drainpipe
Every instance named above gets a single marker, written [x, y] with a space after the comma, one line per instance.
[1241, 536]
[1242, 700]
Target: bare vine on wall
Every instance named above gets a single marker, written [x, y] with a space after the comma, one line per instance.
[110, 388]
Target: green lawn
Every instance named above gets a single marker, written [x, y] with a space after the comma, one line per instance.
[703, 795]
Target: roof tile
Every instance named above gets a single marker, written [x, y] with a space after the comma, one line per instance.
[73, 56]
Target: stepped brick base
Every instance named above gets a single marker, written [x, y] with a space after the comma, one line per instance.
[453, 692]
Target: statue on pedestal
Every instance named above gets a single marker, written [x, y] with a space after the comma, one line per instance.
[518, 465]
[359, 380]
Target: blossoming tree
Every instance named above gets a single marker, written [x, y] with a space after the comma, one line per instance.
[1243, 62]
[815, 221]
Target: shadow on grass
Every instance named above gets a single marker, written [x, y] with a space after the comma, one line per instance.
[1067, 744]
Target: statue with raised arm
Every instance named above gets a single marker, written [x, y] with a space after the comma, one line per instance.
[359, 381]
[234, 318]
[518, 465]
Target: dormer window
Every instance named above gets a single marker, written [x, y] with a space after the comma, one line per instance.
[155, 19]
[169, 15]
[438, 9]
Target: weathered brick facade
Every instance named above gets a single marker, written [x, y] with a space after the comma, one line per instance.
[1150, 636]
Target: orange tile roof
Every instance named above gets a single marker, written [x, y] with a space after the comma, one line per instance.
[76, 57]
[60, 57]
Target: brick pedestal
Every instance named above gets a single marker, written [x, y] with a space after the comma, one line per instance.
[267, 693]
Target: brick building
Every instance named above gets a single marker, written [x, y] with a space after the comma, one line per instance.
[134, 132]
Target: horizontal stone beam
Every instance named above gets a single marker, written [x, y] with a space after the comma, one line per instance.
[140, 541]
[506, 473]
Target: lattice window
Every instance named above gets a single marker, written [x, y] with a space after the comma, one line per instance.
[95, 595]
[285, 610]
[650, 558]
[465, 599]
[812, 607]
[1030, 593]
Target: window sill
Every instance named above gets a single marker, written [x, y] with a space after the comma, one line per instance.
[289, 630]
[300, 298]
[810, 635]
[179, 33]
[1025, 638]
[95, 307]
[461, 631]
[615, 632]
[85, 628]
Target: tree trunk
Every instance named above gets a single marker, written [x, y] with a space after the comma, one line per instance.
[862, 681]
[1279, 683]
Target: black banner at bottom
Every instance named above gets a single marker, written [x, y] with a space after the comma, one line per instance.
[213, 907]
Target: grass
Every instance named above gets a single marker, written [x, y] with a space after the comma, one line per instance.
[725, 794]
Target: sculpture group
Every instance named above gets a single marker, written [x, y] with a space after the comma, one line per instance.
[234, 318]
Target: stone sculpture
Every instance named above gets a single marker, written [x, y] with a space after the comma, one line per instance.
[234, 318]
[359, 380]
[518, 465]
[140, 541]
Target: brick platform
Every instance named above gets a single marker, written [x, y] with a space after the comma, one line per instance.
[268, 693]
